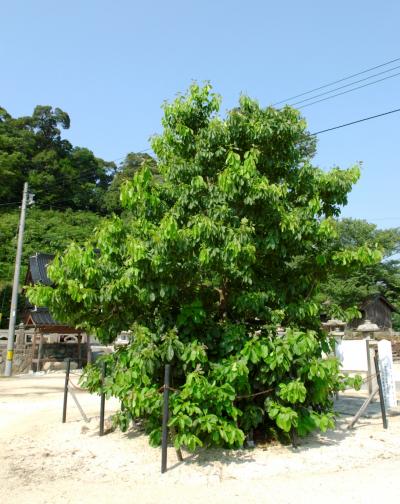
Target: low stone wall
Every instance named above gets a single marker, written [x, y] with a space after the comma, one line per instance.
[22, 361]
[396, 351]
[51, 352]
[61, 351]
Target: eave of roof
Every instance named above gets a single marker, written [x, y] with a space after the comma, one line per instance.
[382, 298]
[38, 268]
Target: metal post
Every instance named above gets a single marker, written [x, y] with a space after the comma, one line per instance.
[369, 375]
[79, 351]
[40, 351]
[88, 350]
[14, 296]
[64, 416]
[293, 438]
[381, 397]
[164, 446]
[102, 398]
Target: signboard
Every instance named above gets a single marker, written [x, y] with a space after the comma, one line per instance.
[386, 370]
[352, 355]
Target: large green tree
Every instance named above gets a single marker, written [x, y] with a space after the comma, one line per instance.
[206, 263]
[59, 174]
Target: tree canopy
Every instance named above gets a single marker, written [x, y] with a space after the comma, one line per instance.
[126, 171]
[62, 177]
[233, 239]
[48, 231]
[59, 174]
[350, 288]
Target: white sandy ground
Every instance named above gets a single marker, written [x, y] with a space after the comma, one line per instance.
[44, 461]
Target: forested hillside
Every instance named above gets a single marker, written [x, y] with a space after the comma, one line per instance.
[73, 189]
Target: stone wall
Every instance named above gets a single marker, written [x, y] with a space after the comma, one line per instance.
[396, 351]
[51, 352]
[22, 361]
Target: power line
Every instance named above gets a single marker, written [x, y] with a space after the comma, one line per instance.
[136, 152]
[349, 91]
[355, 122]
[345, 85]
[82, 175]
[11, 203]
[86, 175]
[336, 82]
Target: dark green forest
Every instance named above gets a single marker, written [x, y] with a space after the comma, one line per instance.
[74, 190]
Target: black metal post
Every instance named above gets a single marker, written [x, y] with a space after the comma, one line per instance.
[293, 438]
[381, 397]
[64, 415]
[165, 419]
[102, 398]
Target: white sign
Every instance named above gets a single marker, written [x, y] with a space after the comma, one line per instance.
[352, 355]
[386, 370]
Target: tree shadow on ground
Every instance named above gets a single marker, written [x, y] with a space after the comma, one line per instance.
[208, 456]
[29, 392]
[224, 457]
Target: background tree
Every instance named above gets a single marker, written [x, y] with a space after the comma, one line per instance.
[350, 288]
[233, 242]
[126, 171]
[60, 175]
[48, 231]
[16, 148]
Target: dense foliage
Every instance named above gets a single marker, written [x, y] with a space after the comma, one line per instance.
[32, 150]
[231, 240]
[47, 231]
[71, 180]
[131, 164]
[344, 289]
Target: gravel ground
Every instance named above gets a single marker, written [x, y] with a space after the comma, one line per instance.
[45, 461]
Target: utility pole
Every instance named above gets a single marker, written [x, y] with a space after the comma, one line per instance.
[14, 296]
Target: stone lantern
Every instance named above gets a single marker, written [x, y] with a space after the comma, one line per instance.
[367, 329]
[335, 328]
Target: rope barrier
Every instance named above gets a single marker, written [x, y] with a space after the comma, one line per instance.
[370, 377]
[76, 386]
[254, 395]
[167, 387]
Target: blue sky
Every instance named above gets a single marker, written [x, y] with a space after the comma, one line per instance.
[111, 64]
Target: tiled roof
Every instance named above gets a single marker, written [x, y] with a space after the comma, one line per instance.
[38, 268]
[41, 317]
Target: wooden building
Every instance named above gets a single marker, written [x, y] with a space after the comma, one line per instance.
[38, 317]
[47, 331]
[378, 310]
